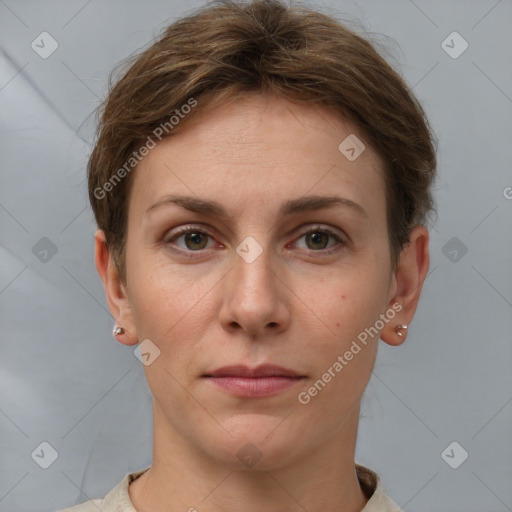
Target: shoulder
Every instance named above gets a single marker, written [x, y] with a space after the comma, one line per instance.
[88, 506]
[378, 500]
[117, 500]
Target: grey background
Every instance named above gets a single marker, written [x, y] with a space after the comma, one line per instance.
[64, 379]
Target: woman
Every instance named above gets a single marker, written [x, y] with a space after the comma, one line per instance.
[261, 183]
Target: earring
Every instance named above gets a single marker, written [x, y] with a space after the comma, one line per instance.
[399, 328]
[118, 330]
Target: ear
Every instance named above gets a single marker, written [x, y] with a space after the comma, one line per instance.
[115, 290]
[407, 283]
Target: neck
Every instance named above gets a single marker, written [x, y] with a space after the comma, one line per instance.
[182, 478]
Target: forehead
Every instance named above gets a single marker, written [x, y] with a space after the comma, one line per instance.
[257, 152]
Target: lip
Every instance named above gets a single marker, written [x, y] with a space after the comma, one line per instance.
[264, 370]
[244, 382]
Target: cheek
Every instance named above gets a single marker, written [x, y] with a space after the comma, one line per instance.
[340, 319]
[341, 312]
[345, 301]
[159, 294]
[170, 306]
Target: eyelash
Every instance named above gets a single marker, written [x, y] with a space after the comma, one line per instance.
[310, 252]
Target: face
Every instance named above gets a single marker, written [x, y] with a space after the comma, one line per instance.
[251, 284]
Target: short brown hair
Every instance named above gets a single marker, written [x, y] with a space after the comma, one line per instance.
[227, 49]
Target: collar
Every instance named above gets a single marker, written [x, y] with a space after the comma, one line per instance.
[118, 499]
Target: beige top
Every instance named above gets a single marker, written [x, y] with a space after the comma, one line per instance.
[118, 499]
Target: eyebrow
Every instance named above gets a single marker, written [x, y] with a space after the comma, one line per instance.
[290, 207]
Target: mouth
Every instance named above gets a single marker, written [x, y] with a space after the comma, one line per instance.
[244, 382]
[265, 370]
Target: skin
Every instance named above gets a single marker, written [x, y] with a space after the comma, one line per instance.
[295, 305]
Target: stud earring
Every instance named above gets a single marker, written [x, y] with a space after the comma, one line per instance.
[118, 330]
[399, 328]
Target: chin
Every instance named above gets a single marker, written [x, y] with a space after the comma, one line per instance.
[257, 442]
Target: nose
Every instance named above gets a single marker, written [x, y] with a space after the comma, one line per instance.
[256, 296]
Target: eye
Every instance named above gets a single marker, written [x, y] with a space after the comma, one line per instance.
[194, 238]
[317, 238]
